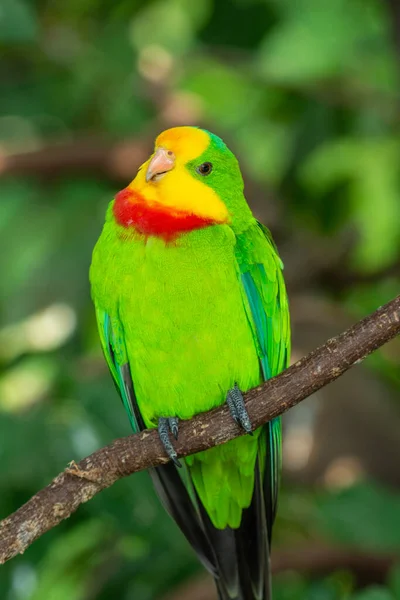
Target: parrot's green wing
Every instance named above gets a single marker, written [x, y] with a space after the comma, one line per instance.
[264, 297]
[168, 483]
[113, 344]
[267, 307]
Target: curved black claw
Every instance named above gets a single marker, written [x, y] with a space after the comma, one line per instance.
[173, 424]
[237, 408]
[165, 425]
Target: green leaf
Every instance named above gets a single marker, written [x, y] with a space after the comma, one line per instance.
[315, 40]
[374, 593]
[370, 168]
[168, 23]
[18, 22]
[266, 149]
[224, 91]
[394, 580]
[364, 515]
[67, 568]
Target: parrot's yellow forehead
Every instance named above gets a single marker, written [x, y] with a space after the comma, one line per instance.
[186, 143]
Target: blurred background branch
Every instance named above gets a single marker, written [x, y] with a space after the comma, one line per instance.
[314, 560]
[101, 158]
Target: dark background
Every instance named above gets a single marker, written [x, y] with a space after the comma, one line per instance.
[306, 93]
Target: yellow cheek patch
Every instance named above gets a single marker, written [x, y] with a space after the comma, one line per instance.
[178, 189]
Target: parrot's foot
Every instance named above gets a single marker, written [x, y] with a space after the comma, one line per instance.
[237, 407]
[165, 426]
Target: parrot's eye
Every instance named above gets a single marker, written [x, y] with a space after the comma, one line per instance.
[205, 168]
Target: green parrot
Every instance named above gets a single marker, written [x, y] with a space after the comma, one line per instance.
[192, 311]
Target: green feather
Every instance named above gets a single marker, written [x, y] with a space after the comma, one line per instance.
[113, 345]
[265, 292]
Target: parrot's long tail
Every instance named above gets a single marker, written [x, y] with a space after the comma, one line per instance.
[242, 555]
[237, 558]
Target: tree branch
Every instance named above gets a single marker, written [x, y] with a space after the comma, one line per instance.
[80, 482]
[114, 160]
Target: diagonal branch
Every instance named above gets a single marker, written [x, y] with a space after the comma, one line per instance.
[80, 482]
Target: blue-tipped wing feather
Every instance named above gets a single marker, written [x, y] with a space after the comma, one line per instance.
[262, 279]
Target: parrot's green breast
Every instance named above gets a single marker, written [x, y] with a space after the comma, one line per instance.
[188, 341]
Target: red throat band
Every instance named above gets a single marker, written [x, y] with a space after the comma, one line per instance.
[132, 210]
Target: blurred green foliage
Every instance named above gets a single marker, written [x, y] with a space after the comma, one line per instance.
[308, 94]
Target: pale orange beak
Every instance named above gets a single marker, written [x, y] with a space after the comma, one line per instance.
[163, 161]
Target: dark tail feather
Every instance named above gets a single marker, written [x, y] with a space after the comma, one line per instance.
[252, 544]
[224, 546]
[177, 502]
[242, 555]
[237, 558]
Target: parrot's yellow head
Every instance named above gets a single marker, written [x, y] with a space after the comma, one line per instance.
[187, 183]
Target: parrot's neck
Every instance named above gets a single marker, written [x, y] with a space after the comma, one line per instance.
[132, 211]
